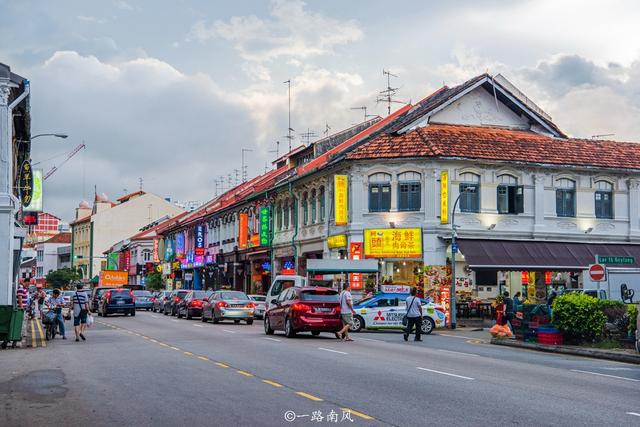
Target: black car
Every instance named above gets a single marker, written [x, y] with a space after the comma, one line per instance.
[191, 305]
[96, 294]
[171, 304]
[159, 299]
[117, 300]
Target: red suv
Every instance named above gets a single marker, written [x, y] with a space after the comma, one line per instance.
[308, 309]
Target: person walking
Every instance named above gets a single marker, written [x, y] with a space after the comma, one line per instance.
[509, 310]
[80, 312]
[347, 312]
[56, 302]
[22, 300]
[414, 315]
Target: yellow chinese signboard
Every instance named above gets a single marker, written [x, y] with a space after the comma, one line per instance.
[444, 197]
[393, 243]
[341, 202]
[337, 241]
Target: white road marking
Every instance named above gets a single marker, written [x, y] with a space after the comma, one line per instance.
[231, 332]
[444, 373]
[634, 414]
[154, 316]
[458, 352]
[272, 339]
[455, 336]
[174, 320]
[369, 339]
[198, 326]
[332, 351]
[619, 369]
[605, 375]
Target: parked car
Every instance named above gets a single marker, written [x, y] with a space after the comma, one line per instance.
[260, 301]
[143, 300]
[191, 305]
[171, 304]
[305, 309]
[233, 305]
[386, 310]
[159, 299]
[117, 300]
[638, 330]
[96, 294]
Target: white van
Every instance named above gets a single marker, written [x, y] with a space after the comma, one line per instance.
[279, 284]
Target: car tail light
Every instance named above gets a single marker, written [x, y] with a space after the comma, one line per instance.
[251, 305]
[108, 296]
[301, 307]
[177, 300]
[132, 296]
[196, 303]
[222, 304]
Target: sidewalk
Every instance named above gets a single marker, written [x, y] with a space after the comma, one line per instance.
[621, 355]
[469, 333]
[35, 335]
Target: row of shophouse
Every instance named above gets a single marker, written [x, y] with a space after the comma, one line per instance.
[533, 207]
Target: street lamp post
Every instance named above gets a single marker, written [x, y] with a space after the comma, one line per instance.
[454, 250]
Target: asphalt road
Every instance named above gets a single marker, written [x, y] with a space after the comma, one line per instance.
[154, 370]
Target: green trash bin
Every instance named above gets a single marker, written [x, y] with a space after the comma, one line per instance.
[11, 323]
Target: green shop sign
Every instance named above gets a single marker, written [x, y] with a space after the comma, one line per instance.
[616, 260]
[264, 226]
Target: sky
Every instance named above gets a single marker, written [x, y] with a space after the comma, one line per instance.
[166, 94]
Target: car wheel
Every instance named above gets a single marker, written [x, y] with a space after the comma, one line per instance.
[267, 326]
[148, 309]
[428, 325]
[357, 325]
[133, 313]
[214, 318]
[315, 333]
[165, 312]
[105, 313]
[249, 321]
[236, 321]
[179, 315]
[189, 317]
[202, 318]
[288, 329]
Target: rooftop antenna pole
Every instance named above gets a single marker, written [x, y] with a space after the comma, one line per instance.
[308, 135]
[388, 94]
[289, 136]
[327, 128]
[603, 135]
[244, 166]
[140, 180]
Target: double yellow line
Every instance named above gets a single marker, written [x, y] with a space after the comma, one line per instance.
[36, 328]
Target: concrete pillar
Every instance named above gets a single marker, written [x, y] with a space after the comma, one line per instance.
[634, 206]
[538, 200]
[7, 201]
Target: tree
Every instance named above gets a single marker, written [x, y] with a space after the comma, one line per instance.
[61, 278]
[153, 281]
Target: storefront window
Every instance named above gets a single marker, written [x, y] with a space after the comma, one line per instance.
[402, 272]
[604, 199]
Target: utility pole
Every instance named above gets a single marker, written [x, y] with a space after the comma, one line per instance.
[244, 166]
[289, 136]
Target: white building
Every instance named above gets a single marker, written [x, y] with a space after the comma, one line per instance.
[47, 255]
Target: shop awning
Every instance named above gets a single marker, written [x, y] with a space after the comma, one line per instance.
[516, 255]
[327, 266]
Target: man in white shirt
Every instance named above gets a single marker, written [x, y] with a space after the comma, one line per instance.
[347, 312]
[414, 315]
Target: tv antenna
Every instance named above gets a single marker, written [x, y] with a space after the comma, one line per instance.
[140, 181]
[308, 135]
[364, 109]
[236, 172]
[327, 128]
[244, 166]
[277, 150]
[603, 135]
[389, 93]
[289, 129]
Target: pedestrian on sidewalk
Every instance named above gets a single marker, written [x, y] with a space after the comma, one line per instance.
[347, 312]
[80, 312]
[22, 300]
[56, 302]
[509, 310]
[414, 315]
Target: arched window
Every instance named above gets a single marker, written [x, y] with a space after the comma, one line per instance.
[146, 256]
[322, 202]
[604, 199]
[286, 210]
[380, 192]
[305, 208]
[314, 206]
[510, 195]
[565, 197]
[470, 192]
[279, 214]
[409, 191]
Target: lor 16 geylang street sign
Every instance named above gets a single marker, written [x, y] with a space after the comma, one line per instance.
[264, 226]
[616, 260]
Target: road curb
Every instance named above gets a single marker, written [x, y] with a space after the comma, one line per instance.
[576, 351]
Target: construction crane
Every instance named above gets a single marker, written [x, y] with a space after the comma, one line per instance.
[69, 156]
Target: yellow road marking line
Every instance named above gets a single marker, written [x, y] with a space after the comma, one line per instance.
[33, 331]
[206, 359]
[163, 344]
[146, 338]
[358, 414]
[221, 365]
[175, 348]
[245, 373]
[152, 340]
[273, 383]
[188, 353]
[308, 396]
[42, 337]
[137, 334]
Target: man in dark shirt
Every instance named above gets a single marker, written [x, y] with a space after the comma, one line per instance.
[509, 310]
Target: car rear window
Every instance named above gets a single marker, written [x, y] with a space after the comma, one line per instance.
[233, 295]
[199, 294]
[182, 294]
[121, 292]
[259, 298]
[317, 295]
[142, 293]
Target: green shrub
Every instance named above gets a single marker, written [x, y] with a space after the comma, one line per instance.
[579, 317]
[633, 318]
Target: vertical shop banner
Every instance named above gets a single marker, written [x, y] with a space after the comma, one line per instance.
[341, 201]
[156, 257]
[444, 197]
[180, 245]
[112, 261]
[127, 260]
[355, 252]
[168, 252]
[243, 230]
[199, 240]
[36, 195]
[264, 226]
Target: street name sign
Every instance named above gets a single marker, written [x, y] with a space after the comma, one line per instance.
[597, 272]
[616, 259]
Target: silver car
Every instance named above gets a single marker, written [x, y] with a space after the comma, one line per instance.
[260, 301]
[233, 305]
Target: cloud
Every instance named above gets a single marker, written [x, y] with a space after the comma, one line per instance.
[138, 118]
[122, 4]
[292, 31]
[91, 19]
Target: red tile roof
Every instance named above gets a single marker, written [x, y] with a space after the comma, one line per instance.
[60, 238]
[127, 197]
[490, 143]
